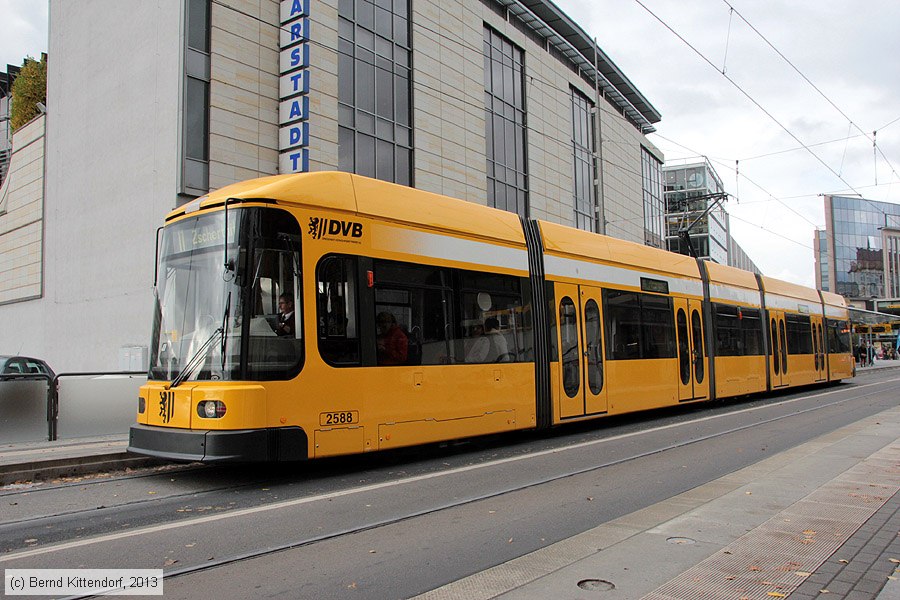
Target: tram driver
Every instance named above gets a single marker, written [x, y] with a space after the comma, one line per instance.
[285, 323]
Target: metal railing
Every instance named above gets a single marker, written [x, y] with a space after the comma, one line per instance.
[103, 406]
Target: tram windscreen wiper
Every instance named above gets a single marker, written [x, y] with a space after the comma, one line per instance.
[197, 358]
[224, 326]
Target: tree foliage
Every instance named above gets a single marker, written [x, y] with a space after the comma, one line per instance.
[29, 88]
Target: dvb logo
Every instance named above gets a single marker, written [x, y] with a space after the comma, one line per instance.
[319, 227]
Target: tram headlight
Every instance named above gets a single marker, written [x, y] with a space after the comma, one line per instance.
[142, 405]
[211, 409]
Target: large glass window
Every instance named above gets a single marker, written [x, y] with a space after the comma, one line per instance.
[838, 336]
[638, 325]
[195, 125]
[412, 314]
[374, 60]
[658, 332]
[229, 312]
[584, 198]
[738, 331]
[799, 334]
[422, 315]
[492, 307]
[275, 334]
[654, 204]
[504, 97]
[336, 286]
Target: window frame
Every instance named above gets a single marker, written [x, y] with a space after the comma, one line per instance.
[643, 326]
[375, 64]
[506, 119]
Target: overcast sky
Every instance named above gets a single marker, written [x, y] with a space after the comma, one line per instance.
[23, 30]
[848, 50]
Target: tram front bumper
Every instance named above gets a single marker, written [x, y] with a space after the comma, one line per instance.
[194, 445]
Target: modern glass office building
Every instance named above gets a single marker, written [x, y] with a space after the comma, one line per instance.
[857, 254]
[690, 194]
[690, 191]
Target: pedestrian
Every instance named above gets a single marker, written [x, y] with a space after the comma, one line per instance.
[392, 343]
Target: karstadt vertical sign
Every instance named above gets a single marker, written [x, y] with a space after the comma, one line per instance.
[293, 87]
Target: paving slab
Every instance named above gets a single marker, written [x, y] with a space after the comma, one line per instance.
[761, 532]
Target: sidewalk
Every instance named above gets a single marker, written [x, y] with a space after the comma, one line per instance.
[46, 460]
[818, 521]
[879, 364]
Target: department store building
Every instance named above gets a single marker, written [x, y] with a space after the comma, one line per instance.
[506, 103]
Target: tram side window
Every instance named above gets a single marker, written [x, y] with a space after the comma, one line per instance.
[738, 331]
[799, 334]
[751, 326]
[495, 322]
[623, 315]
[412, 314]
[336, 286]
[657, 327]
[729, 337]
[638, 326]
[568, 331]
[838, 336]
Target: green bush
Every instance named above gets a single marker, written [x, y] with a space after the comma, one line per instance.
[29, 88]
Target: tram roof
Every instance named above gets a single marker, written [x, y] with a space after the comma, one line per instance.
[726, 275]
[791, 290]
[363, 196]
[834, 299]
[563, 240]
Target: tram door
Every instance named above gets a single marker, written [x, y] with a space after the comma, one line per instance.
[819, 349]
[693, 362]
[581, 387]
[778, 356]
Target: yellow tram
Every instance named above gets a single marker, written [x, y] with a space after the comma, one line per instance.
[320, 314]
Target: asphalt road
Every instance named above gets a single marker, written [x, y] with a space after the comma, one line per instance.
[393, 525]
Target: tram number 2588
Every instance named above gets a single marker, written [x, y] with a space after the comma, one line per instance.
[348, 417]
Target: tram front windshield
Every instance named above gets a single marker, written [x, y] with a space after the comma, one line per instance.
[223, 298]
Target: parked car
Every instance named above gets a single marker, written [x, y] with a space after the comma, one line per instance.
[23, 365]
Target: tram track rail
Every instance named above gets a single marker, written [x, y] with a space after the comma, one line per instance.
[858, 392]
[199, 495]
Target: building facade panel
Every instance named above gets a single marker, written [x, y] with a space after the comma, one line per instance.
[22, 215]
[622, 181]
[448, 99]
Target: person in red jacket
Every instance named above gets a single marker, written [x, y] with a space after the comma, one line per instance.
[393, 344]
